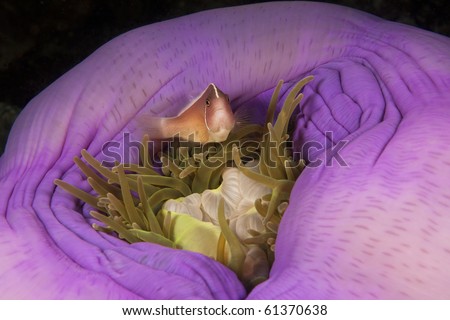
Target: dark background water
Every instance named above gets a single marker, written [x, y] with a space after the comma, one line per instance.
[41, 40]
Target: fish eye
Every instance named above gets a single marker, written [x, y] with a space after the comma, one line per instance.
[208, 102]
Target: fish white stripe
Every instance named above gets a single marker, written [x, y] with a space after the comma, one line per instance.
[215, 90]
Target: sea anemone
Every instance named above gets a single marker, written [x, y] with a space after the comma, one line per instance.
[225, 201]
[367, 217]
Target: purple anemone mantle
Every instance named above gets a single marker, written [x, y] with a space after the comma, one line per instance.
[377, 227]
